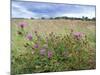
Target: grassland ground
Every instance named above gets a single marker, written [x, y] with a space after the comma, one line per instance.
[21, 58]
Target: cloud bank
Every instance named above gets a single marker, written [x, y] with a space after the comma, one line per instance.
[22, 9]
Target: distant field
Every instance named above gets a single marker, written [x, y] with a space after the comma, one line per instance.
[57, 25]
[45, 27]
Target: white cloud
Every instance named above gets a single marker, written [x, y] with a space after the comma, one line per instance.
[21, 12]
[78, 15]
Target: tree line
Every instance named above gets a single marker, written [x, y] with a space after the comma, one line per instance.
[70, 18]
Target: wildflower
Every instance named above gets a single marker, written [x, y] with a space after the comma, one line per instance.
[22, 24]
[78, 35]
[36, 46]
[29, 37]
[42, 51]
[50, 54]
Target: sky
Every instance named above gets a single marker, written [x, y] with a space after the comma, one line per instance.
[28, 9]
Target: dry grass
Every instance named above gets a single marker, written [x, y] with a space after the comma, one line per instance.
[56, 25]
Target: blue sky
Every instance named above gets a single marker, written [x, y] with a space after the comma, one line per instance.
[22, 9]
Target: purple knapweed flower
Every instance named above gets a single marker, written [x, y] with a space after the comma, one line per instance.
[29, 37]
[22, 24]
[43, 52]
[50, 54]
[36, 46]
[78, 35]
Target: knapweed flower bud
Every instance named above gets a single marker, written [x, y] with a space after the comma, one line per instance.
[43, 52]
[50, 54]
[19, 32]
[29, 37]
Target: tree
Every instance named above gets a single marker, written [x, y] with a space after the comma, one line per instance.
[32, 18]
[93, 18]
[43, 18]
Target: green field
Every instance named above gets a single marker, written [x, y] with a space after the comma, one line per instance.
[64, 49]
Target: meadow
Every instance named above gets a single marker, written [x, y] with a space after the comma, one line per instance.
[52, 45]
